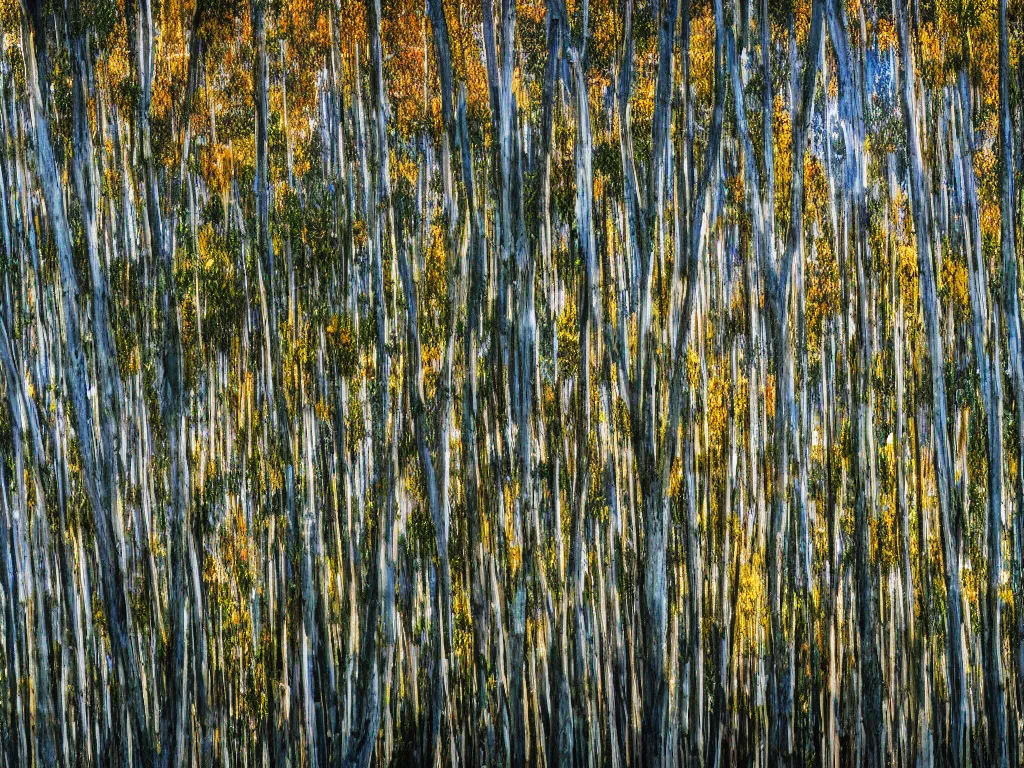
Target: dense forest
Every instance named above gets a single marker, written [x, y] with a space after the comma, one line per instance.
[531, 382]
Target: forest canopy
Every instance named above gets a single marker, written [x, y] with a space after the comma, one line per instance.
[511, 382]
